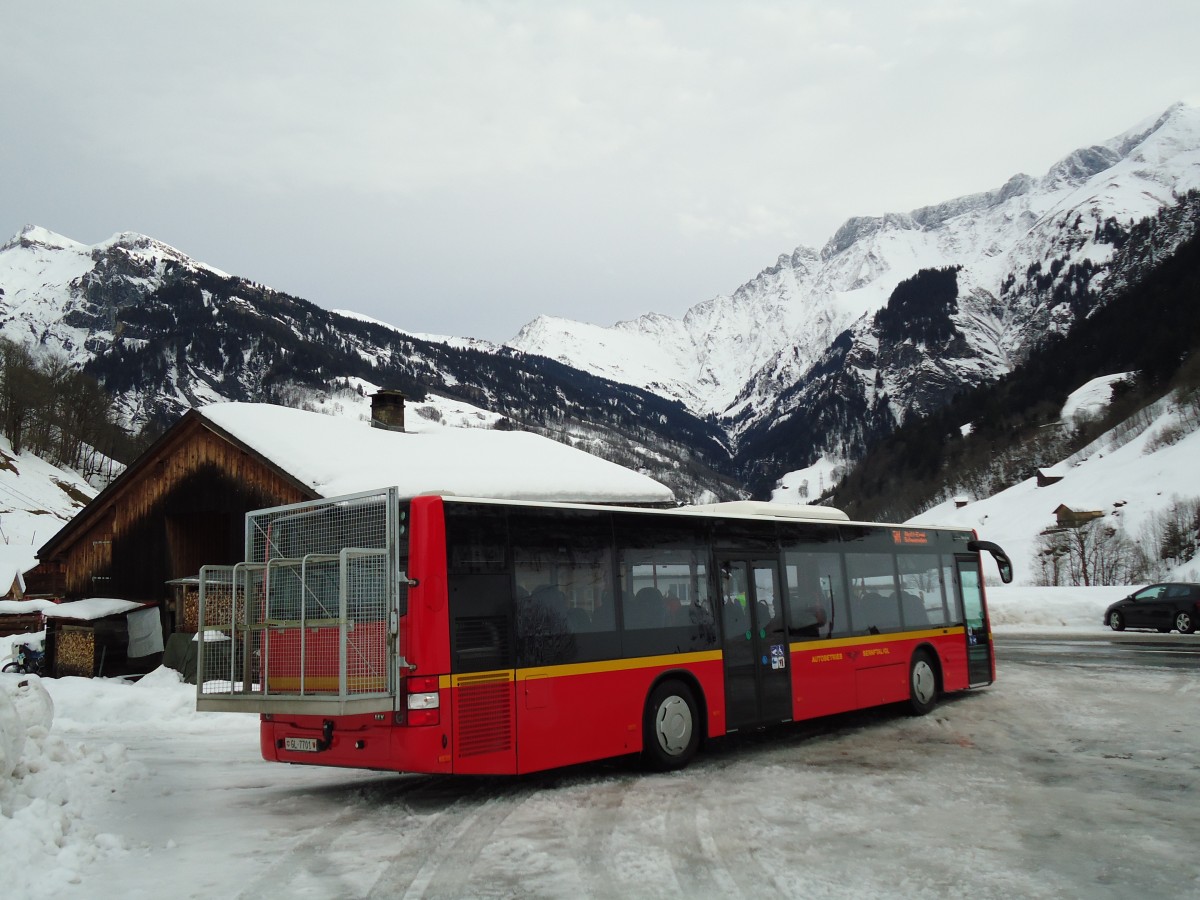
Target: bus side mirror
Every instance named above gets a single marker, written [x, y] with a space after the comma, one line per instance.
[1003, 563]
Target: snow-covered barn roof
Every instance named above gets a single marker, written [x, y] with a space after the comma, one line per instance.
[12, 584]
[334, 456]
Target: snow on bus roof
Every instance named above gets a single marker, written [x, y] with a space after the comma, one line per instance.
[336, 456]
[771, 510]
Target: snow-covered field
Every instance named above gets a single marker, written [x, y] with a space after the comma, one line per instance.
[1037, 787]
[1054, 782]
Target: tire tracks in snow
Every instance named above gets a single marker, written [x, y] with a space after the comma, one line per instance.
[451, 841]
[311, 856]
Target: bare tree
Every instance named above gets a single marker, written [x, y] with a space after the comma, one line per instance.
[1095, 553]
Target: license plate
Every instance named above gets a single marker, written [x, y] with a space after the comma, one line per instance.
[300, 745]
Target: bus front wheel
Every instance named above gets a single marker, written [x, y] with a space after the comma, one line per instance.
[922, 683]
[671, 726]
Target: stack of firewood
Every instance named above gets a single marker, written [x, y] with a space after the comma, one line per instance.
[75, 652]
[217, 601]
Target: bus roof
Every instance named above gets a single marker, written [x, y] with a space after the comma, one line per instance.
[734, 509]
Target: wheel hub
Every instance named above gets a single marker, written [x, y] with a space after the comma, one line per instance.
[673, 725]
[923, 681]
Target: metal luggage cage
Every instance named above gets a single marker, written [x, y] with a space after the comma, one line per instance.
[308, 623]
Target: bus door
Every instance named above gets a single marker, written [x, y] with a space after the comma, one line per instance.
[979, 644]
[758, 687]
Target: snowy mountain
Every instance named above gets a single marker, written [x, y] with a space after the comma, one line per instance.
[807, 364]
[803, 332]
[165, 333]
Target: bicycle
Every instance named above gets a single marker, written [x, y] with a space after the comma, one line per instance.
[28, 659]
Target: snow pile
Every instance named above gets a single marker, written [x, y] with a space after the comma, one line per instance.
[1024, 609]
[49, 787]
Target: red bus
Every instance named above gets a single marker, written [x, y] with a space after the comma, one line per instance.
[446, 635]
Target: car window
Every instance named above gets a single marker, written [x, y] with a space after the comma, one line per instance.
[1151, 593]
[1177, 590]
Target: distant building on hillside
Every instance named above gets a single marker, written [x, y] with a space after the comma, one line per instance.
[1066, 517]
[1048, 476]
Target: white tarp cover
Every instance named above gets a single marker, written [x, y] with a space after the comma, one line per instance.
[145, 632]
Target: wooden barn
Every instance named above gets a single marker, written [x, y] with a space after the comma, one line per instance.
[181, 505]
[1066, 517]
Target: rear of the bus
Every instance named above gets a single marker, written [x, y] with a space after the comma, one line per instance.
[315, 633]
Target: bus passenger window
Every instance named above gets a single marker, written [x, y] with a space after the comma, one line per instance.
[921, 598]
[874, 600]
[562, 573]
[816, 595]
[665, 603]
[954, 614]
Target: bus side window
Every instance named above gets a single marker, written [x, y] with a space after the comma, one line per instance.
[874, 598]
[816, 595]
[954, 614]
[665, 603]
[922, 600]
[564, 562]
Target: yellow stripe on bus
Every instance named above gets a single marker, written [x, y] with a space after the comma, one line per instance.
[835, 643]
[620, 665]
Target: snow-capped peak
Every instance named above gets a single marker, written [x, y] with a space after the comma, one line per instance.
[35, 235]
[733, 354]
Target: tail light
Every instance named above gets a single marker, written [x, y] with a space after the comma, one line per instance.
[424, 701]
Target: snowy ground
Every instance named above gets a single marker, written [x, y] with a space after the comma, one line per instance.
[1047, 784]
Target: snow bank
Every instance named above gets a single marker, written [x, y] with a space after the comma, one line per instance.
[1016, 608]
[48, 788]
[53, 779]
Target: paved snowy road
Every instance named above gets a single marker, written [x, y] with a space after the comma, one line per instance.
[1130, 649]
[1053, 783]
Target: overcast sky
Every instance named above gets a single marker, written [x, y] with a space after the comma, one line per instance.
[461, 167]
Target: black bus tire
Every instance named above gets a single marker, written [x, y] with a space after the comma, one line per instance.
[922, 683]
[670, 727]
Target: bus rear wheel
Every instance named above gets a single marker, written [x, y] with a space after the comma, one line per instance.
[922, 684]
[670, 727]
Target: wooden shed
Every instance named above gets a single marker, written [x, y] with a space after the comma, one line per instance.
[179, 506]
[1066, 517]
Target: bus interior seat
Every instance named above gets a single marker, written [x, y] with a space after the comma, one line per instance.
[647, 609]
[552, 604]
[578, 619]
[914, 609]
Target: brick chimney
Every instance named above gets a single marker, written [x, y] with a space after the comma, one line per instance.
[387, 410]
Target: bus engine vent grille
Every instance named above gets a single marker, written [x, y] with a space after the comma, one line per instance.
[485, 713]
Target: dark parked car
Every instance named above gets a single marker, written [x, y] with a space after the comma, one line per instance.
[1161, 606]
